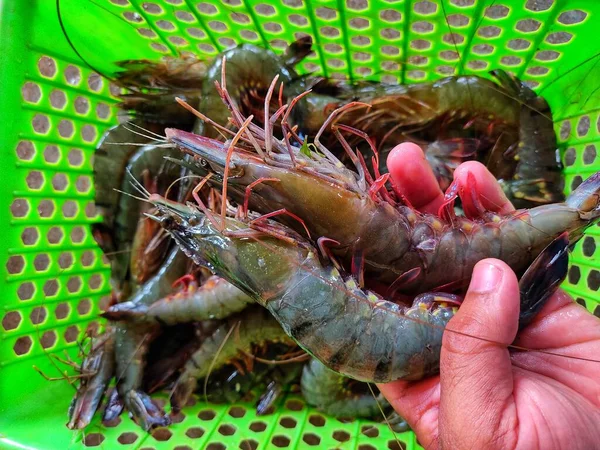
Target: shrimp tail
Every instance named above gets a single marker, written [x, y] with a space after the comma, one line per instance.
[114, 407]
[543, 277]
[586, 198]
[535, 190]
[145, 411]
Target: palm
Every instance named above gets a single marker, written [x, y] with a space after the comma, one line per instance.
[492, 397]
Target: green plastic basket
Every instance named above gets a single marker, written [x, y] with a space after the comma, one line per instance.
[54, 109]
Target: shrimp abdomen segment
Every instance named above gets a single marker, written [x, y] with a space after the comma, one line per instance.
[359, 334]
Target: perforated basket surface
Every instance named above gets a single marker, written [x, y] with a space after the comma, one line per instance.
[54, 109]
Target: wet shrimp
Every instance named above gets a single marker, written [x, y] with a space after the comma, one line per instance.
[353, 332]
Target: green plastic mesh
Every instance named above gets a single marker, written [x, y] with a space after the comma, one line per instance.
[55, 108]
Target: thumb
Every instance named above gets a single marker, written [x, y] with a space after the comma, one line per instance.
[476, 374]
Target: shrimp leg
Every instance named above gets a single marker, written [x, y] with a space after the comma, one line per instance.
[255, 327]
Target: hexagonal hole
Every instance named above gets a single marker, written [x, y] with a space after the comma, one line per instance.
[288, 422]
[11, 320]
[55, 235]
[65, 260]
[248, 444]
[38, 315]
[215, 446]
[22, 346]
[40, 124]
[74, 284]
[369, 431]
[31, 92]
[60, 182]
[237, 412]
[41, 262]
[84, 306]
[51, 154]
[25, 150]
[26, 290]
[19, 207]
[89, 133]
[58, 99]
[50, 288]
[102, 111]
[66, 129]
[30, 236]
[77, 235]
[62, 311]
[280, 441]
[70, 209]
[206, 414]
[75, 157]
[294, 405]
[311, 439]
[47, 67]
[82, 105]
[127, 438]
[396, 445]
[83, 184]
[162, 434]
[95, 82]
[93, 439]
[88, 258]
[194, 432]
[90, 210]
[71, 333]
[227, 430]
[258, 426]
[72, 75]
[317, 421]
[48, 339]
[15, 264]
[95, 281]
[341, 436]
[46, 208]
[35, 180]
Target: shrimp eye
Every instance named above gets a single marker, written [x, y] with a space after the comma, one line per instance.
[194, 220]
[168, 222]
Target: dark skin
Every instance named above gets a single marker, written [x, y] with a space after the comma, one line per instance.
[487, 396]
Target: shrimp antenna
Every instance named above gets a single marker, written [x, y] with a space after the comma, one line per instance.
[214, 360]
[162, 138]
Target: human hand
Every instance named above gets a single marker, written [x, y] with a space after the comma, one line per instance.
[487, 397]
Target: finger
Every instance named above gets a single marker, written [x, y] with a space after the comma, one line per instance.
[418, 403]
[476, 374]
[413, 178]
[474, 178]
[569, 336]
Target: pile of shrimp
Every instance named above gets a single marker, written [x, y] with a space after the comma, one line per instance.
[256, 244]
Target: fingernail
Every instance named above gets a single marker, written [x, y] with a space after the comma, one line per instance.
[486, 278]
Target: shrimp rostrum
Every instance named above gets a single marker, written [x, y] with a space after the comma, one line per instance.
[352, 331]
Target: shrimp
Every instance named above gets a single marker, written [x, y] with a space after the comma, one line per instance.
[339, 396]
[353, 332]
[255, 327]
[215, 299]
[513, 127]
[132, 343]
[97, 369]
[400, 247]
